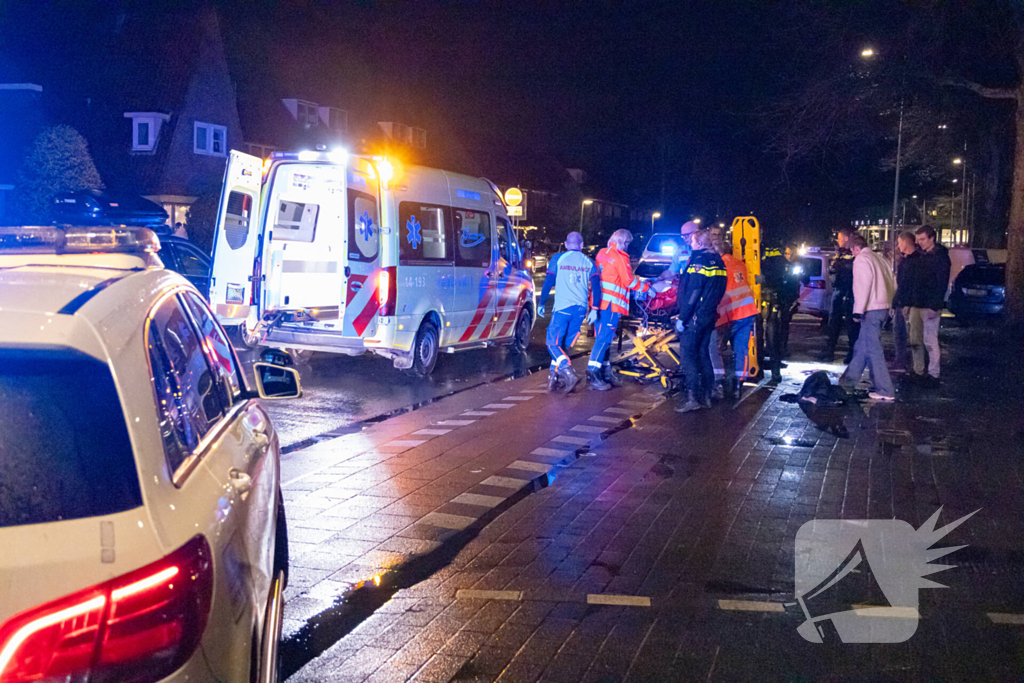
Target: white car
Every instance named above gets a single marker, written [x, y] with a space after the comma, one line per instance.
[140, 514]
[816, 283]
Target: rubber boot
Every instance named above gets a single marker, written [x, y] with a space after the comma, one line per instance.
[718, 390]
[553, 379]
[729, 385]
[690, 404]
[568, 377]
[595, 382]
[609, 375]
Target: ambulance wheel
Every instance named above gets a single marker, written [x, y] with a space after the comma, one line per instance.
[424, 350]
[521, 336]
[242, 337]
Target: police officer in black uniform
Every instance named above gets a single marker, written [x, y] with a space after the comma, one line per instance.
[841, 314]
[700, 290]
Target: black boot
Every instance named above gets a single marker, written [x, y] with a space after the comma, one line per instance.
[729, 385]
[705, 397]
[609, 376]
[594, 380]
[690, 404]
[718, 390]
[553, 379]
[568, 377]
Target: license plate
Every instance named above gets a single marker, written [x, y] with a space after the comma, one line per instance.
[236, 294]
[977, 292]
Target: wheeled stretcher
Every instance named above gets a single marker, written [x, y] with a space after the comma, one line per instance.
[650, 329]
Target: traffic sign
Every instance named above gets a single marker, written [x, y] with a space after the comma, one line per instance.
[514, 210]
[513, 196]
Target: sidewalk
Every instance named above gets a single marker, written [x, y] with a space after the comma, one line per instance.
[668, 554]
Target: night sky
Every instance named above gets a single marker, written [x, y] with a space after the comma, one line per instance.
[663, 104]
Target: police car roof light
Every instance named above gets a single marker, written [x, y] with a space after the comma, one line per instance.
[78, 240]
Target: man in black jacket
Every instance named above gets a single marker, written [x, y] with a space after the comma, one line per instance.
[700, 289]
[906, 262]
[841, 315]
[931, 281]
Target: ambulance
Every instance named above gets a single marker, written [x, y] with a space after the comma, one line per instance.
[331, 252]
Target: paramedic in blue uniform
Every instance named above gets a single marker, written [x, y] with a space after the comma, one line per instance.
[569, 272]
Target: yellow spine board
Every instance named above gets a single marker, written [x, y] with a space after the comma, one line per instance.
[746, 246]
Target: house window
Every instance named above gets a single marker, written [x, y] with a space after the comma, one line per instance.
[146, 129]
[210, 139]
[307, 113]
[419, 138]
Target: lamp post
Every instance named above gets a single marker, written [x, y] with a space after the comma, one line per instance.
[585, 203]
[869, 53]
[656, 214]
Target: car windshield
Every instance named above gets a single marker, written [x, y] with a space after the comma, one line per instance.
[664, 244]
[982, 275]
[64, 447]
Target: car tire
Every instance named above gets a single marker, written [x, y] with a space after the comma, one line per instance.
[521, 333]
[300, 356]
[425, 349]
[241, 337]
[281, 541]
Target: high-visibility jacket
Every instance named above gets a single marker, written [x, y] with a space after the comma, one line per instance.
[738, 301]
[617, 279]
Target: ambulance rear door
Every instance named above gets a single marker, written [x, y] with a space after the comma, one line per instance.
[362, 299]
[306, 215]
[235, 272]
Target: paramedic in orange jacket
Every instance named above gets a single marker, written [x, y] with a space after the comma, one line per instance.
[737, 314]
[615, 280]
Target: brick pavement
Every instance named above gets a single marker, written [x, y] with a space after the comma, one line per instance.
[698, 514]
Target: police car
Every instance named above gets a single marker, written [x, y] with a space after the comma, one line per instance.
[140, 512]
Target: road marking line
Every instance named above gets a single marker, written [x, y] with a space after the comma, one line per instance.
[550, 452]
[498, 405]
[890, 612]
[604, 418]
[470, 594]
[447, 521]
[589, 429]
[530, 466]
[456, 423]
[751, 606]
[517, 398]
[1006, 619]
[639, 404]
[625, 600]
[619, 411]
[431, 432]
[407, 443]
[534, 391]
[478, 499]
[479, 413]
[505, 482]
[575, 440]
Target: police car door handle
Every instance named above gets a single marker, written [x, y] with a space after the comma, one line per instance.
[240, 481]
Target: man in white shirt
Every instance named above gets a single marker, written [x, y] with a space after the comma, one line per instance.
[873, 288]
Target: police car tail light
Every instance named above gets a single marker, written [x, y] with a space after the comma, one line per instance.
[816, 284]
[387, 290]
[139, 627]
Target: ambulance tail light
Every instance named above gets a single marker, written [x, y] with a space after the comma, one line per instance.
[140, 627]
[387, 290]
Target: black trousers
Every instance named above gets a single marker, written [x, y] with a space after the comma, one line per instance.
[841, 318]
[695, 357]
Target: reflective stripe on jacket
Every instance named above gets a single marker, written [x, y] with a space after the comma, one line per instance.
[617, 279]
[701, 288]
[738, 301]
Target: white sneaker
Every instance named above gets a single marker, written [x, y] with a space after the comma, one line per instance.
[880, 397]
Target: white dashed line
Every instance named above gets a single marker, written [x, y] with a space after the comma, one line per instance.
[456, 423]
[750, 606]
[478, 499]
[589, 429]
[431, 432]
[886, 612]
[530, 466]
[493, 406]
[623, 600]
[604, 418]
[505, 482]
[469, 594]
[479, 413]
[517, 398]
[446, 521]
[407, 443]
[550, 452]
[619, 411]
[1004, 619]
[575, 440]
[534, 391]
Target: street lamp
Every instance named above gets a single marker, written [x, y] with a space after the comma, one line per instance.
[656, 214]
[868, 53]
[585, 203]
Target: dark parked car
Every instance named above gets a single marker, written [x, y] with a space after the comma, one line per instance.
[92, 207]
[181, 256]
[979, 291]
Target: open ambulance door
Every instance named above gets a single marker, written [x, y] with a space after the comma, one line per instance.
[306, 223]
[234, 280]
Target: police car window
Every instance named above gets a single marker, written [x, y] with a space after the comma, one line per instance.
[811, 266]
[191, 261]
[218, 348]
[363, 226]
[64, 447]
[188, 401]
[424, 234]
[236, 220]
[473, 232]
[295, 221]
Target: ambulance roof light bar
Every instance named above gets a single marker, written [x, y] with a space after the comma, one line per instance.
[338, 155]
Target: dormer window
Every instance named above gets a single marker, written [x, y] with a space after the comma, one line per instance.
[146, 129]
[210, 139]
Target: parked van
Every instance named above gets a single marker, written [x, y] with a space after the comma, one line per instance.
[324, 251]
[816, 283]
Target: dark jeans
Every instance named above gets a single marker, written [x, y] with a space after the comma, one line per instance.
[840, 318]
[786, 311]
[695, 358]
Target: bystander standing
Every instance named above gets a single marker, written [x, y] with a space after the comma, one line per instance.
[873, 289]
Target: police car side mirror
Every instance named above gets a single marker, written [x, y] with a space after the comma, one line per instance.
[276, 381]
